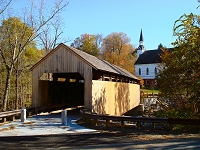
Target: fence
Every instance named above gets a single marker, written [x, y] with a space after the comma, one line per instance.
[21, 113]
[138, 120]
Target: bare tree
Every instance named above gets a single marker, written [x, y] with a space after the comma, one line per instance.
[4, 5]
[50, 36]
[15, 38]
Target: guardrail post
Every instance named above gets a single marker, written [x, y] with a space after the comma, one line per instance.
[95, 122]
[138, 125]
[23, 115]
[153, 126]
[12, 118]
[4, 119]
[64, 117]
[122, 124]
[87, 120]
[170, 127]
[107, 123]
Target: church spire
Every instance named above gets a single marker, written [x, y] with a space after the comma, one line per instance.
[141, 37]
[141, 47]
[141, 41]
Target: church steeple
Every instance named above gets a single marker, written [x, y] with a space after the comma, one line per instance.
[141, 47]
[141, 41]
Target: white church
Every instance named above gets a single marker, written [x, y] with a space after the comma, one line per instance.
[147, 63]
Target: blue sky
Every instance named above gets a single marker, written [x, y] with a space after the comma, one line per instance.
[155, 17]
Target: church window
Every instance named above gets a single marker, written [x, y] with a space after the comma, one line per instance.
[147, 71]
[139, 71]
[155, 82]
[156, 71]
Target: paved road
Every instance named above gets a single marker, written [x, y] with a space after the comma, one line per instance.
[94, 141]
[44, 124]
[46, 132]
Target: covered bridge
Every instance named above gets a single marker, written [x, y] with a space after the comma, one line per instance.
[68, 77]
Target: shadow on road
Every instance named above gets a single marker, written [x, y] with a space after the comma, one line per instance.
[94, 141]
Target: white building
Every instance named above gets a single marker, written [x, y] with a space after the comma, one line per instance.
[147, 63]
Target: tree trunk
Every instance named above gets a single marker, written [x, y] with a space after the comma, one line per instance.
[16, 90]
[7, 87]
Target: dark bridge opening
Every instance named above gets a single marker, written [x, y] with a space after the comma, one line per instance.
[62, 90]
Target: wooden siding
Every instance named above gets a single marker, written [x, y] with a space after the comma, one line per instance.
[114, 98]
[62, 60]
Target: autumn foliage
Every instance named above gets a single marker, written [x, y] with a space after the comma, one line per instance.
[116, 49]
[180, 80]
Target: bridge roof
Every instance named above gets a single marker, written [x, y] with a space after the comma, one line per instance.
[92, 61]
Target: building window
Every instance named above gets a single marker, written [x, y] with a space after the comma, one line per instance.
[147, 71]
[155, 82]
[147, 82]
[156, 71]
[139, 71]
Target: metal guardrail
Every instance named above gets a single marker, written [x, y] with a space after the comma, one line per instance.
[138, 120]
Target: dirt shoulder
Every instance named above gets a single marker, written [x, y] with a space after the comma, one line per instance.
[145, 133]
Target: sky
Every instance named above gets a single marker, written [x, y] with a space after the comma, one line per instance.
[155, 17]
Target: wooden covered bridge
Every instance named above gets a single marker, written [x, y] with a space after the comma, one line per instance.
[68, 77]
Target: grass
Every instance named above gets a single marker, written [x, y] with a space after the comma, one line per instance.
[150, 91]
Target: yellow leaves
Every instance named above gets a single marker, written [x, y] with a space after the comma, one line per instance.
[87, 43]
[117, 50]
[179, 81]
[15, 32]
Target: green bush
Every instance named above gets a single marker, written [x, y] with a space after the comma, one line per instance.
[172, 113]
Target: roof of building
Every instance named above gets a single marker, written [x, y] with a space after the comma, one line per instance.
[102, 64]
[93, 61]
[150, 57]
